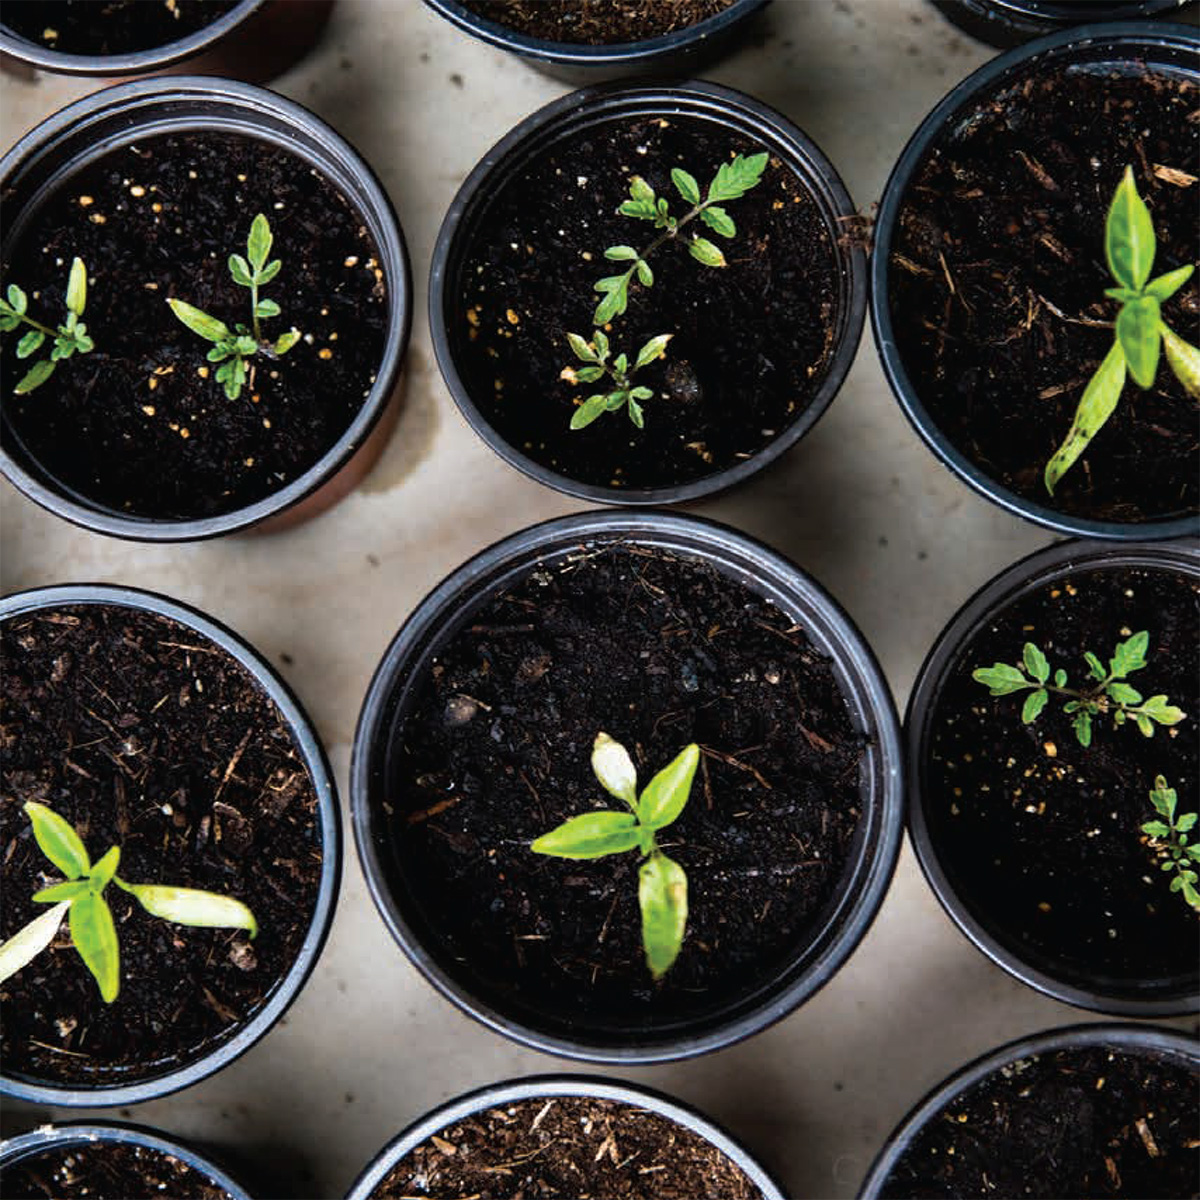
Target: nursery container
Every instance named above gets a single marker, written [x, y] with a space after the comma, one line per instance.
[1007, 23]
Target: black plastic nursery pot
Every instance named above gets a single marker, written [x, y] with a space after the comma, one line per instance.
[988, 276]
[677, 52]
[186, 750]
[1086, 1110]
[252, 40]
[660, 630]
[1033, 843]
[759, 347]
[152, 184]
[1007, 23]
[718, 1164]
[135, 1158]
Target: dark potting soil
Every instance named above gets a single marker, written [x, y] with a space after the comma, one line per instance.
[571, 1147]
[109, 26]
[1043, 837]
[106, 1171]
[752, 340]
[143, 734]
[1085, 1121]
[597, 22]
[998, 276]
[140, 425]
[658, 651]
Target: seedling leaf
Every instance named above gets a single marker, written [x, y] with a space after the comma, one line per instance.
[591, 835]
[190, 906]
[258, 244]
[200, 322]
[57, 840]
[1138, 332]
[686, 185]
[77, 287]
[613, 767]
[1129, 235]
[1099, 399]
[662, 896]
[666, 794]
[30, 940]
[95, 938]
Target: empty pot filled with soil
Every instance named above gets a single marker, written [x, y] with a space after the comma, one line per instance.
[243, 288]
[1054, 760]
[736, 692]
[173, 846]
[647, 294]
[1033, 292]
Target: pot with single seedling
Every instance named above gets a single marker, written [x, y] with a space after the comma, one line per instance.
[1007, 23]
[646, 294]
[1053, 763]
[203, 312]
[173, 846]
[1034, 295]
[1090, 1110]
[626, 788]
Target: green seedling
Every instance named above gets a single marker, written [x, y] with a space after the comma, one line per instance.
[624, 393]
[662, 884]
[1105, 693]
[69, 338]
[232, 347]
[1169, 840]
[1129, 244]
[81, 897]
[732, 181]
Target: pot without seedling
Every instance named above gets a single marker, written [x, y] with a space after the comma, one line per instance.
[583, 45]
[626, 788]
[1033, 295]
[1053, 762]
[244, 288]
[646, 294]
[570, 1127]
[1007, 23]
[171, 877]
[1089, 1110]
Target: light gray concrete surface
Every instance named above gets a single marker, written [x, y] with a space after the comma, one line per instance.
[860, 503]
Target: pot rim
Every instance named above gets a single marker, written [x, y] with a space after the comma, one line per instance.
[1033, 571]
[630, 55]
[329, 816]
[870, 864]
[132, 62]
[704, 101]
[1120, 1035]
[1055, 46]
[156, 106]
[70, 1133]
[536, 1087]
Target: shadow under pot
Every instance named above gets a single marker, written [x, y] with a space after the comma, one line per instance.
[646, 294]
[574, 1135]
[171, 874]
[584, 43]
[254, 40]
[1053, 757]
[755, 842]
[1088, 1110]
[1006, 23]
[88, 1160]
[1032, 292]
[232, 370]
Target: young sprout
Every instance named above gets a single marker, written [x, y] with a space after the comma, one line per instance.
[1107, 692]
[1169, 840]
[232, 347]
[68, 338]
[662, 885]
[1129, 244]
[732, 181]
[623, 394]
[81, 897]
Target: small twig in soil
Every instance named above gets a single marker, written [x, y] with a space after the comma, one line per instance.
[415, 818]
[1062, 316]
[729, 760]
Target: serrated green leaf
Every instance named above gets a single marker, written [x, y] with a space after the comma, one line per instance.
[580, 348]
[640, 190]
[735, 178]
[655, 348]
[644, 273]
[635, 413]
[57, 840]
[615, 400]
[664, 797]
[620, 254]
[1183, 359]
[218, 354]
[588, 411]
[1144, 724]
[77, 287]
[95, 937]
[703, 251]
[719, 221]
[30, 940]
[1165, 286]
[1156, 829]
[200, 322]
[1138, 332]
[1190, 894]
[1122, 693]
[1001, 678]
[591, 835]
[641, 393]
[1083, 728]
[56, 893]
[1036, 663]
[685, 185]
[191, 906]
[621, 364]
[589, 374]
[662, 897]
[18, 299]
[258, 244]
[611, 306]
[639, 210]
[1034, 703]
[1186, 822]
[1129, 242]
[1157, 708]
[239, 268]
[35, 376]
[1130, 655]
[1099, 399]
[30, 343]
[266, 308]
[286, 341]
[268, 272]
[1095, 666]
[600, 341]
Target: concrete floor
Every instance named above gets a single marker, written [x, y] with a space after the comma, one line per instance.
[860, 503]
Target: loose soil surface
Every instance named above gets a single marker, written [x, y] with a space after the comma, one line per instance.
[140, 425]
[597, 22]
[106, 1171]
[109, 26]
[573, 1147]
[752, 341]
[998, 276]
[658, 651]
[145, 735]
[1085, 1121]
[1042, 838]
